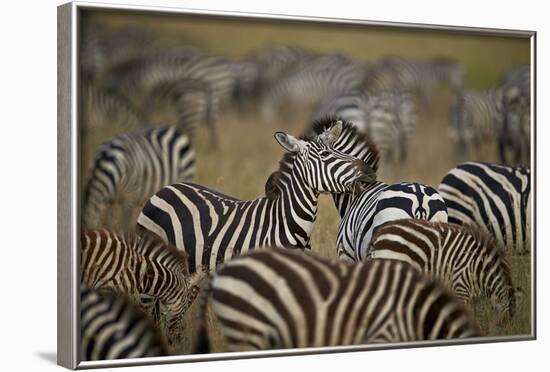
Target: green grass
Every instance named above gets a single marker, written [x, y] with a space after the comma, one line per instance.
[247, 152]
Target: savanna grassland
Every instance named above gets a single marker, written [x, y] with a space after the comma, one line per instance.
[248, 153]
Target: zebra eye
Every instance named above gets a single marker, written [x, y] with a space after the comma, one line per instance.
[325, 153]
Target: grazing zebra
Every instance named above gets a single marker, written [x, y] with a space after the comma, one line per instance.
[387, 118]
[278, 298]
[311, 82]
[112, 327]
[475, 117]
[212, 227]
[378, 204]
[466, 259]
[395, 73]
[102, 108]
[135, 165]
[495, 198]
[146, 270]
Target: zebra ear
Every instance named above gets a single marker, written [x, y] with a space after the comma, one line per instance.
[334, 133]
[290, 143]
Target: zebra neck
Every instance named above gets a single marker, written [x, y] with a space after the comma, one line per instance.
[296, 204]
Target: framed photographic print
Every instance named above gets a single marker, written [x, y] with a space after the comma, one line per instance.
[238, 185]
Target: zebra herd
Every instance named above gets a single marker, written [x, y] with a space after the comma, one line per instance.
[409, 258]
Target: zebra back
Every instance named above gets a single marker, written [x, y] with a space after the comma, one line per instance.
[113, 328]
[492, 197]
[380, 204]
[276, 298]
[468, 260]
[135, 165]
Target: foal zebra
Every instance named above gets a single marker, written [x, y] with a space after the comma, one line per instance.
[495, 198]
[378, 204]
[114, 328]
[212, 227]
[134, 165]
[467, 260]
[145, 269]
[277, 298]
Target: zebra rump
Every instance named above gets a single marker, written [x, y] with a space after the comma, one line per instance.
[466, 259]
[276, 298]
[133, 166]
[378, 204]
[495, 198]
[114, 328]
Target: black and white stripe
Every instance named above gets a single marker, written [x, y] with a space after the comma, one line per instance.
[212, 227]
[313, 81]
[514, 137]
[475, 117]
[387, 118]
[421, 77]
[381, 203]
[144, 269]
[135, 165]
[114, 328]
[492, 197]
[277, 298]
[467, 260]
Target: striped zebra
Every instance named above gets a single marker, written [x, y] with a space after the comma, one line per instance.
[278, 298]
[378, 204]
[192, 102]
[215, 76]
[387, 118]
[309, 83]
[475, 116]
[212, 227]
[144, 269]
[102, 108]
[421, 77]
[468, 260]
[133, 166]
[495, 198]
[514, 136]
[112, 327]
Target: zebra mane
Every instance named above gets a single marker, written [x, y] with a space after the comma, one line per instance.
[312, 133]
[351, 135]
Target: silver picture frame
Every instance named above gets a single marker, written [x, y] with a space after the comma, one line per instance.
[69, 179]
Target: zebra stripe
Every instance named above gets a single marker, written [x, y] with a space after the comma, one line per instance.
[212, 227]
[475, 116]
[145, 270]
[113, 328]
[467, 260]
[105, 109]
[421, 77]
[134, 165]
[388, 119]
[313, 81]
[277, 298]
[381, 203]
[495, 198]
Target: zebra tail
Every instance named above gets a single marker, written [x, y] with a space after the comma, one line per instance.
[202, 344]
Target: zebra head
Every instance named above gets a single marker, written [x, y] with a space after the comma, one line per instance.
[321, 166]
